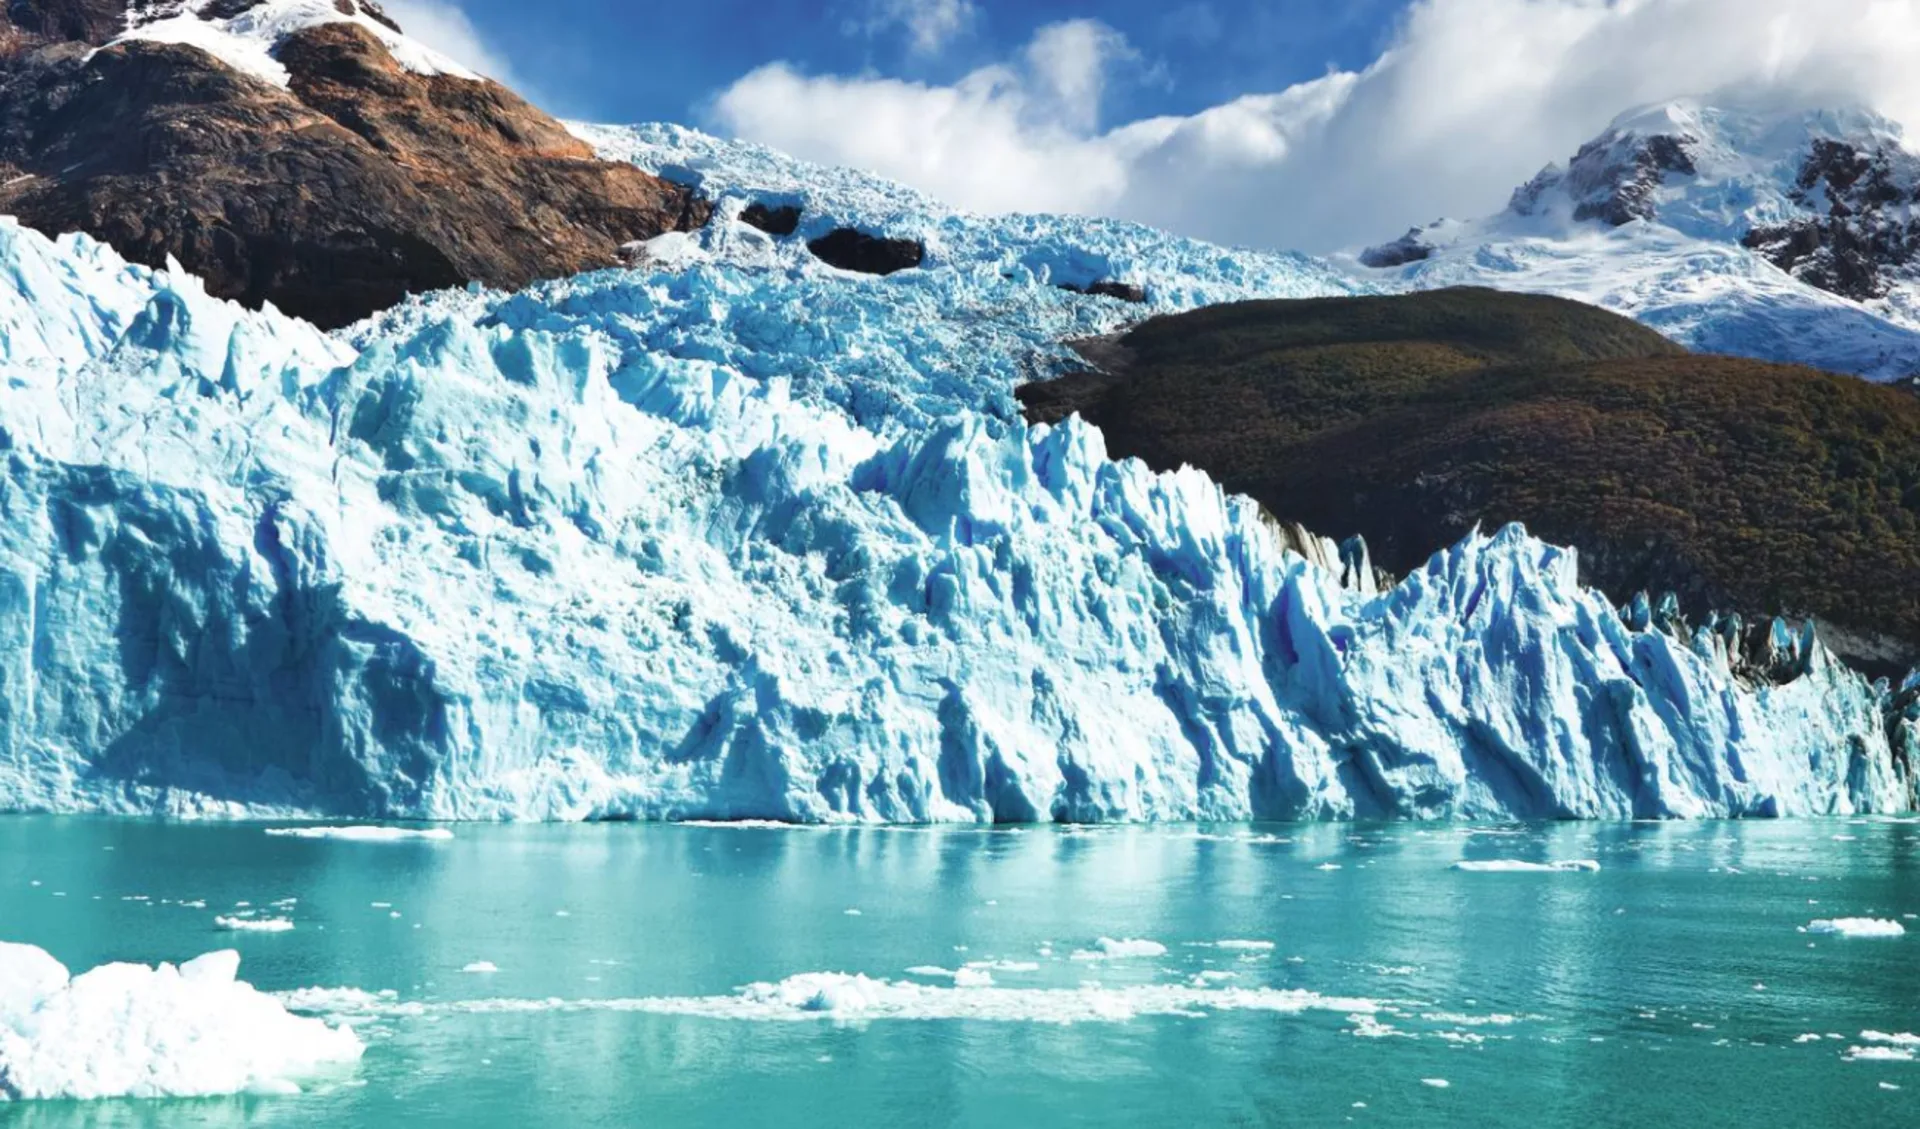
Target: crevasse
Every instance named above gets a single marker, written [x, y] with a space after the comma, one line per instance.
[735, 535]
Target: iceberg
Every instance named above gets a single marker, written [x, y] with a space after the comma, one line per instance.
[735, 535]
[1857, 927]
[130, 1031]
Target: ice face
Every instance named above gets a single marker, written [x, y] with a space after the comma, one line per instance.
[736, 535]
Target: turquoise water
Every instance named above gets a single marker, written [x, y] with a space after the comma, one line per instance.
[1667, 988]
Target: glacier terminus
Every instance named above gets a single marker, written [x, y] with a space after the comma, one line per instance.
[733, 534]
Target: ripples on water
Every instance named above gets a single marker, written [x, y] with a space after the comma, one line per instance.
[1116, 976]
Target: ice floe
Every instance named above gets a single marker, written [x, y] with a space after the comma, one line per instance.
[1107, 948]
[238, 924]
[364, 834]
[131, 1031]
[1857, 927]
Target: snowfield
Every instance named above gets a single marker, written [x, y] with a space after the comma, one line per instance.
[129, 1031]
[734, 535]
[1685, 272]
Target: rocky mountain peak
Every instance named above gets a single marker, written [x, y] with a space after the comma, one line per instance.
[1613, 179]
[301, 152]
[1828, 196]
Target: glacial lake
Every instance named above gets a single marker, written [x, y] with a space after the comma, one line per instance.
[1676, 984]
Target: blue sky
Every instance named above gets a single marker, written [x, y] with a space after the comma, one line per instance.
[614, 60]
[1317, 125]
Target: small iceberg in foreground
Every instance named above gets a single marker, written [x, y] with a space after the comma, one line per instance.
[1857, 927]
[363, 834]
[130, 1031]
[1520, 866]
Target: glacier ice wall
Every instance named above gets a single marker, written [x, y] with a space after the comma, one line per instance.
[733, 535]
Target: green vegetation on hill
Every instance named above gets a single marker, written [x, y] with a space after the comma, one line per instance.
[1739, 485]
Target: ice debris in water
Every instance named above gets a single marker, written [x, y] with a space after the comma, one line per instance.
[1857, 927]
[481, 966]
[364, 834]
[743, 537]
[814, 996]
[1520, 866]
[239, 924]
[130, 1031]
[1107, 948]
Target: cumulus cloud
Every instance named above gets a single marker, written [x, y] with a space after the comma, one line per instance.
[1018, 136]
[1470, 98]
[930, 24]
[443, 26]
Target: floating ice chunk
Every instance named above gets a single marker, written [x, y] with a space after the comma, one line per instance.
[1879, 1054]
[1857, 927]
[363, 834]
[1519, 866]
[1004, 965]
[1328, 866]
[1245, 946]
[1901, 1040]
[481, 966]
[1436, 1083]
[1106, 948]
[129, 1031]
[1366, 1026]
[252, 924]
[972, 978]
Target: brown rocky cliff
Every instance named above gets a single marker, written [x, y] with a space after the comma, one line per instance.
[335, 198]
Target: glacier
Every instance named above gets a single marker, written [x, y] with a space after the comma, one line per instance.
[735, 535]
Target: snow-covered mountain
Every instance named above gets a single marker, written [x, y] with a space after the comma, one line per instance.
[1776, 234]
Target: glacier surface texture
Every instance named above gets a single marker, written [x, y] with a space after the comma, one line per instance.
[737, 535]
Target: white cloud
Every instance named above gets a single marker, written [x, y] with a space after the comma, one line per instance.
[1470, 99]
[441, 25]
[1013, 137]
[930, 24]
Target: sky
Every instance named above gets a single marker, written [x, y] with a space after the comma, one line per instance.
[1314, 125]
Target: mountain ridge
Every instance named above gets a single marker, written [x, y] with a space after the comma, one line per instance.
[282, 151]
[1745, 228]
